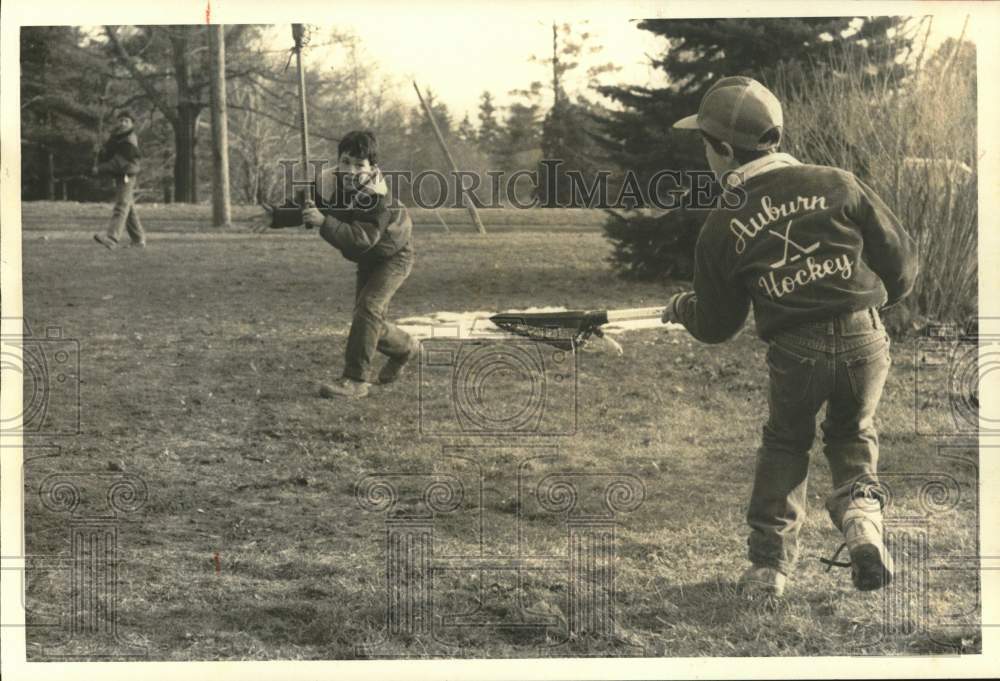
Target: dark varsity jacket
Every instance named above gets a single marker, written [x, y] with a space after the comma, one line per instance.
[807, 244]
[120, 155]
[362, 225]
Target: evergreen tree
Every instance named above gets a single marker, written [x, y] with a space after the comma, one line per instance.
[466, 131]
[639, 137]
[567, 136]
[65, 94]
[521, 135]
[701, 51]
[425, 153]
[490, 132]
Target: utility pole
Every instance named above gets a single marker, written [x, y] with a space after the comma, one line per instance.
[221, 214]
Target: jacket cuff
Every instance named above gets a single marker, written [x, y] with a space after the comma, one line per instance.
[674, 304]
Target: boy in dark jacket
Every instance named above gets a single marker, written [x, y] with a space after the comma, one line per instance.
[358, 221]
[816, 253]
[119, 159]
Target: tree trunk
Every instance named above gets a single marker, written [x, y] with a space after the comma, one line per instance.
[194, 155]
[50, 175]
[220, 132]
[183, 157]
[186, 128]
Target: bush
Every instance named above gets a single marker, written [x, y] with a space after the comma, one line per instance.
[913, 140]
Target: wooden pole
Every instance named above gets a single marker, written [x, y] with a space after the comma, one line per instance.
[441, 220]
[221, 214]
[440, 138]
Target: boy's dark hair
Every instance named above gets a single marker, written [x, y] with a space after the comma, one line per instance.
[743, 156]
[360, 144]
[125, 113]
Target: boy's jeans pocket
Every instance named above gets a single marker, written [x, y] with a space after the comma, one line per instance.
[867, 371]
[791, 373]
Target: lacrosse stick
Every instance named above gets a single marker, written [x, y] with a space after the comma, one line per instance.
[572, 329]
[290, 215]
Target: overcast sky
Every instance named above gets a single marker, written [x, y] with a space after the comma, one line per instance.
[458, 52]
[458, 48]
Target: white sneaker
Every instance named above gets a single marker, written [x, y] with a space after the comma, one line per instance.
[871, 564]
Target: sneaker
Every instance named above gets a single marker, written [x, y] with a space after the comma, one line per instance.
[346, 387]
[871, 564]
[761, 581]
[136, 244]
[106, 241]
[393, 369]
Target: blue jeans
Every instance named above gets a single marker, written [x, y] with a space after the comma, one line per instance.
[123, 216]
[377, 281]
[842, 363]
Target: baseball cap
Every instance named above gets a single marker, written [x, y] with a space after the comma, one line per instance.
[738, 110]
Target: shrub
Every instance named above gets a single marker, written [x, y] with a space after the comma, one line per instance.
[913, 140]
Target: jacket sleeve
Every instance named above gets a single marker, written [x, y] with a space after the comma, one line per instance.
[120, 159]
[351, 238]
[718, 307]
[888, 249]
[128, 156]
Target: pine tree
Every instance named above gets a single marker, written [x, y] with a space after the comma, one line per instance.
[639, 137]
[466, 131]
[65, 92]
[567, 140]
[490, 132]
[520, 132]
[700, 52]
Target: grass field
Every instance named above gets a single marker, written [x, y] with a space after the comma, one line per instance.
[198, 363]
[183, 217]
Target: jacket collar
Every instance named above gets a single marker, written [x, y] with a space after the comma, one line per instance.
[377, 183]
[759, 166]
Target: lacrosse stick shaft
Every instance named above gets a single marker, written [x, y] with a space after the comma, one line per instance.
[635, 313]
[297, 33]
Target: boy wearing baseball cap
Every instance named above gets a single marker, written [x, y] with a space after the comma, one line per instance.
[815, 252]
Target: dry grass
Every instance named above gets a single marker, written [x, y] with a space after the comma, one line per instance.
[70, 215]
[198, 362]
[913, 140]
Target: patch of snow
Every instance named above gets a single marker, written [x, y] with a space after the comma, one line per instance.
[463, 325]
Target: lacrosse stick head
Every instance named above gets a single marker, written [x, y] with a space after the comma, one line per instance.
[290, 213]
[565, 330]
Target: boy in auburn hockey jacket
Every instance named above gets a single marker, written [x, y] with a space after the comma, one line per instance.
[816, 253]
[119, 159]
[358, 221]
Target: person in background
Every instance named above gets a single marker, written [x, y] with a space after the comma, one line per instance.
[119, 160]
